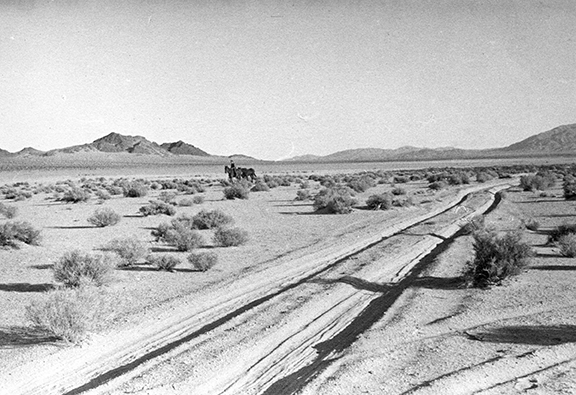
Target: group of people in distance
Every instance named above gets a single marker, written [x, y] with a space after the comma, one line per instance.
[239, 172]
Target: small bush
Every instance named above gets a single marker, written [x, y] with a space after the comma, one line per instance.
[303, 194]
[569, 187]
[67, 314]
[398, 191]
[167, 197]
[183, 238]
[211, 219]
[129, 249]
[155, 207]
[236, 191]
[104, 217]
[381, 201]
[560, 231]
[335, 200]
[567, 245]
[203, 261]
[260, 186]
[10, 232]
[437, 185]
[103, 194]
[199, 199]
[186, 202]
[163, 262]
[75, 195]
[474, 225]
[76, 268]
[8, 211]
[135, 189]
[228, 237]
[497, 257]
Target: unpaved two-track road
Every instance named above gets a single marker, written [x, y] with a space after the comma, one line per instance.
[274, 331]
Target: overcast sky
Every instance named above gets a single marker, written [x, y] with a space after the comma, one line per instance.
[275, 78]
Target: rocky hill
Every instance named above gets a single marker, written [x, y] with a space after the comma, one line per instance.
[559, 139]
[182, 148]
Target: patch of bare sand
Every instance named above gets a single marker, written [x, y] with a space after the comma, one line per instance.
[443, 339]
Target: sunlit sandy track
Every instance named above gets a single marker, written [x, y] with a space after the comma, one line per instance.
[77, 369]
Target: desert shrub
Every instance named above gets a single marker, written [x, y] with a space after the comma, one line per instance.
[532, 224]
[23, 231]
[199, 199]
[229, 237]
[236, 191]
[401, 179]
[211, 219]
[163, 262]
[567, 245]
[538, 182]
[483, 176]
[104, 217]
[496, 257]
[155, 207]
[183, 238]
[303, 194]
[8, 211]
[129, 249]
[569, 187]
[458, 178]
[135, 189]
[203, 261]
[398, 191]
[437, 185]
[103, 194]
[382, 201]
[67, 314]
[186, 202]
[260, 186]
[75, 195]
[474, 224]
[362, 184]
[167, 197]
[75, 268]
[409, 201]
[560, 231]
[115, 190]
[334, 200]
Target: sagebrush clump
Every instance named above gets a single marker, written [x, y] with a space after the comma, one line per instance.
[496, 257]
[67, 314]
[11, 232]
[163, 262]
[103, 217]
[156, 207]
[382, 201]
[75, 268]
[236, 191]
[335, 200]
[567, 245]
[203, 261]
[8, 211]
[211, 219]
[129, 249]
[229, 237]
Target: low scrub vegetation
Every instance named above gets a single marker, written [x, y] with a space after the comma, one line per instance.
[211, 219]
[135, 189]
[75, 268]
[163, 262]
[203, 261]
[303, 194]
[382, 201]
[12, 232]
[236, 191]
[569, 187]
[75, 195]
[561, 230]
[496, 257]
[8, 211]
[67, 314]
[337, 200]
[129, 249]
[567, 245]
[103, 217]
[538, 182]
[230, 237]
[532, 224]
[156, 207]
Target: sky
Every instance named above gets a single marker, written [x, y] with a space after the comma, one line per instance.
[275, 78]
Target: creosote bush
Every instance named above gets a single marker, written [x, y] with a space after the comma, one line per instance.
[129, 249]
[474, 224]
[382, 201]
[567, 245]
[75, 268]
[203, 261]
[8, 211]
[135, 189]
[211, 219]
[497, 257]
[236, 191]
[335, 200]
[569, 187]
[23, 231]
[303, 194]
[67, 314]
[103, 217]
[155, 207]
[560, 231]
[75, 195]
[163, 262]
[230, 237]
[532, 224]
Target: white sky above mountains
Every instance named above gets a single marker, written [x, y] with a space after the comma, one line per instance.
[274, 79]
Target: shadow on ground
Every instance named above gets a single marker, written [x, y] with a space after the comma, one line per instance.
[445, 283]
[26, 287]
[21, 336]
[542, 335]
[553, 267]
[356, 282]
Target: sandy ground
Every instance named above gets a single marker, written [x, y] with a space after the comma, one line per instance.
[435, 338]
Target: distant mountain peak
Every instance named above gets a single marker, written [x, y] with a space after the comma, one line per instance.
[561, 138]
[181, 148]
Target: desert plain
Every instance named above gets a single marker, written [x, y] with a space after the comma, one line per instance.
[372, 301]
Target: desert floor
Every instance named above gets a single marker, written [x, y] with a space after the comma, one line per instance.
[259, 320]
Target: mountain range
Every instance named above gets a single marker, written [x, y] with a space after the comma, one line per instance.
[560, 140]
